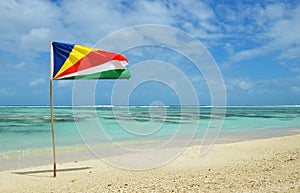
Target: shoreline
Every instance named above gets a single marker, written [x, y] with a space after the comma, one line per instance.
[260, 165]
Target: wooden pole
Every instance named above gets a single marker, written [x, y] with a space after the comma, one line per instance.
[52, 127]
[51, 111]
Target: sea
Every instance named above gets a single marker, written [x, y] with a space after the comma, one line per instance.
[26, 134]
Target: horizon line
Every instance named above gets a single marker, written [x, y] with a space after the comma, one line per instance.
[61, 106]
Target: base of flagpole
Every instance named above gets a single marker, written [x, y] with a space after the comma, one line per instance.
[54, 170]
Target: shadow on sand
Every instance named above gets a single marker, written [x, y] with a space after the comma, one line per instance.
[30, 173]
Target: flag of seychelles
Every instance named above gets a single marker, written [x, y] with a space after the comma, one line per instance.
[72, 61]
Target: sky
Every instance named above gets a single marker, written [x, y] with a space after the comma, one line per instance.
[255, 46]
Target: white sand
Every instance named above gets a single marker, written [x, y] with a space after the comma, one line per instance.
[263, 165]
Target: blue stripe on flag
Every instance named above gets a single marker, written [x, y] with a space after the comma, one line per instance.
[61, 52]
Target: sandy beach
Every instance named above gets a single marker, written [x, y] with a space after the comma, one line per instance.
[262, 165]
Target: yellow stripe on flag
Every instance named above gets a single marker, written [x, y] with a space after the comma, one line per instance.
[78, 52]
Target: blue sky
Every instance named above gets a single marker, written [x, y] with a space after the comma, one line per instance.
[256, 45]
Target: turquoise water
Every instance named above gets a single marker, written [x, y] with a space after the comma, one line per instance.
[28, 129]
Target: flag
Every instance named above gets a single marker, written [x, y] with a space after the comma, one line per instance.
[72, 61]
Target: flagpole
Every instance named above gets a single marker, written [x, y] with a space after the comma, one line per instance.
[51, 111]
[52, 127]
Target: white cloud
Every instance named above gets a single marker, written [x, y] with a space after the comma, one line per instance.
[19, 18]
[295, 89]
[286, 31]
[37, 82]
[102, 17]
[246, 54]
[245, 85]
[275, 11]
[36, 40]
[240, 84]
[291, 53]
[32, 24]
[154, 8]
[16, 66]
[281, 33]
[263, 87]
[229, 48]
[262, 92]
[35, 22]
